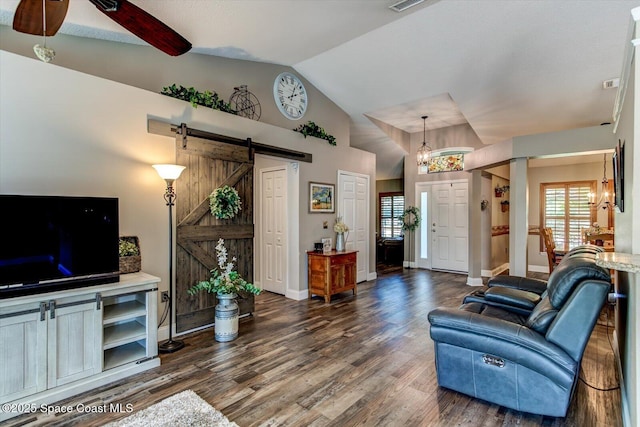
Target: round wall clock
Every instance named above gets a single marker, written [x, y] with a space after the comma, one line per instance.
[290, 96]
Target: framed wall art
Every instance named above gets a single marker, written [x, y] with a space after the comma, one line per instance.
[321, 198]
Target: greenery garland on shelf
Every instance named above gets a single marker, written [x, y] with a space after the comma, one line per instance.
[195, 97]
[224, 202]
[410, 218]
[312, 129]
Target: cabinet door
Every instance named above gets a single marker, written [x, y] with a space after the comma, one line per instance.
[23, 353]
[75, 337]
[337, 277]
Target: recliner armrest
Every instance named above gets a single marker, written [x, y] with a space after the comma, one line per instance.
[503, 339]
[516, 282]
[512, 297]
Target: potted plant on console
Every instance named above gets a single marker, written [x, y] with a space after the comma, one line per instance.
[129, 253]
[226, 284]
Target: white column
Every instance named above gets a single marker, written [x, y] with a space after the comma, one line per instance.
[518, 217]
[475, 234]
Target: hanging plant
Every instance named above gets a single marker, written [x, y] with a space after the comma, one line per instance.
[224, 202]
[313, 129]
[206, 98]
[410, 218]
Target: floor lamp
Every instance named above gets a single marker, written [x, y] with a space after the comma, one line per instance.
[170, 173]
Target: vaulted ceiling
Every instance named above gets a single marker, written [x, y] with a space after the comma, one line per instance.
[505, 67]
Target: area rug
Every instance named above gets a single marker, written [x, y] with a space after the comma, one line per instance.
[183, 409]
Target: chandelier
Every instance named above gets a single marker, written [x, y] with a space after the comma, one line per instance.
[424, 152]
[606, 199]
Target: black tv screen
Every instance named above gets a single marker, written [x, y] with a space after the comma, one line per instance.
[57, 242]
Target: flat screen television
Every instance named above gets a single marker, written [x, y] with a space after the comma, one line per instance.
[53, 243]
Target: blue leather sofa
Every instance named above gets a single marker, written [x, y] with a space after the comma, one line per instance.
[524, 359]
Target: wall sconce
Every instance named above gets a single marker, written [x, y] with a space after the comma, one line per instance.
[483, 204]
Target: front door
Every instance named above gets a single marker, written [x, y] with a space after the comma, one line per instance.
[273, 254]
[450, 226]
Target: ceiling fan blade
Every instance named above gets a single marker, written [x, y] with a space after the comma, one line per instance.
[144, 25]
[28, 16]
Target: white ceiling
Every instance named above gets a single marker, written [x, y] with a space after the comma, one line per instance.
[506, 67]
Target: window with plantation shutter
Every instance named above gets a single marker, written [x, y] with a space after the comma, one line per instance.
[391, 207]
[565, 209]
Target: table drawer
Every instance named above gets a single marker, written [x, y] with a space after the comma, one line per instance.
[343, 259]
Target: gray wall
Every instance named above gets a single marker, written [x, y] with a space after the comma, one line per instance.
[627, 240]
[147, 68]
[70, 133]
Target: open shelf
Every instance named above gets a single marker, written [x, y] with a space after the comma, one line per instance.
[124, 354]
[123, 333]
[123, 311]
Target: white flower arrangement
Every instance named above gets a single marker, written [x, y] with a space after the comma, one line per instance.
[224, 280]
[339, 226]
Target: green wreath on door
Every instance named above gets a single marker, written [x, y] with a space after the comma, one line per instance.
[410, 218]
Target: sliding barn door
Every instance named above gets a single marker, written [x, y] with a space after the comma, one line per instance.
[209, 165]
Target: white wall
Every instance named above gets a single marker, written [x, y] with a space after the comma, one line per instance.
[540, 175]
[65, 132]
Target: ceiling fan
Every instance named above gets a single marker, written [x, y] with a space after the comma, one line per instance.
[29, 19]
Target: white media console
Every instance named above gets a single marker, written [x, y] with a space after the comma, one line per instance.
[58, 344]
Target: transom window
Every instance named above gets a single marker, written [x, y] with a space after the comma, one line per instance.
[391, 207]
[564, 207]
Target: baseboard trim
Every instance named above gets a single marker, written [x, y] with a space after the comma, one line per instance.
[297, 295]
[494, 272]
[539, 268]
[626, 415]
[372, 276]
[474, 281]
[163, 333]
[409, 264]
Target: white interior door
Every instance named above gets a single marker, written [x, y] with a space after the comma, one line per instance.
[353, 206]
[273, 226]
[450, 226]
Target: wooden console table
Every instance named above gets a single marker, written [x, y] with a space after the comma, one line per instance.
[331, 273]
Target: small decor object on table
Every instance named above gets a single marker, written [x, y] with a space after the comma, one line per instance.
[225, 202]
[326, 245]
[226, 284]
[129, 252]
[340, 228]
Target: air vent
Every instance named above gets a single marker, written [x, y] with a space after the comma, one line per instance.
[403, 5]
[610, 84]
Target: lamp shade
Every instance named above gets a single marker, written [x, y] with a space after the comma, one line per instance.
[169, 172]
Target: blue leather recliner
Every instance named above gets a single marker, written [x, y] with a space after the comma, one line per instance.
[521, 354]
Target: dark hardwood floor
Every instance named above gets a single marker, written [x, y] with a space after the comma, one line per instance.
[359, 361]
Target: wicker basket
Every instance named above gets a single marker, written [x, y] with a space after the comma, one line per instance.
[131, 264]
